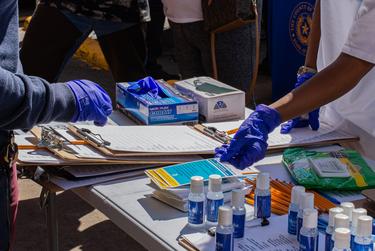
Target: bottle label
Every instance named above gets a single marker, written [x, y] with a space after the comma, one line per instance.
[213, 209]
[308, 243]
[328, 244]
[224, 242]
[292, 222]
[239, 225]
[195, 214]
[363, 247]
[352, 241]
[263, 206]
[299, 226]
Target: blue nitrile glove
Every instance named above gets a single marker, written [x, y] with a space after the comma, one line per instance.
[92, 102]
[249, 144]
[144, 86]
[299, 122]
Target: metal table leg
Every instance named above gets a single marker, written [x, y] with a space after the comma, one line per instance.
[48, 203]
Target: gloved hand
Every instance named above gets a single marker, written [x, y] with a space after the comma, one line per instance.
[313, 117]
[143, 86]
[92, 102]
[249, 144]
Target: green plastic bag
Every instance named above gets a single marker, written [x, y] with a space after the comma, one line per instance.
[300, 163]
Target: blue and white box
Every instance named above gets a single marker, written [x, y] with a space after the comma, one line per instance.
[217, 101]
[171, 108]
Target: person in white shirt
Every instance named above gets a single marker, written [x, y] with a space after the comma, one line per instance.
[338, 73]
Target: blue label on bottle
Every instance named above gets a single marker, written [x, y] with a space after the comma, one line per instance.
[224, 242]
[213, 209]
[352, 241]
[195, 214]
[299, 226]
[308, 243]
[361, 247]
[328, 243]
[263, 206]
[239, 225]
[292, 222]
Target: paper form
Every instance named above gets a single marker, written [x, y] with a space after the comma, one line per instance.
[273, 237]
[163, 139]
[37, 156]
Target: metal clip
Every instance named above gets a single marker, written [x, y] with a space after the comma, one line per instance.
[93, 137]
[51, 139]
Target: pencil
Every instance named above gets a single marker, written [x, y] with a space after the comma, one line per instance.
[233, 131]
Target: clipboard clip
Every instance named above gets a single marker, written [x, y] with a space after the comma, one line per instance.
[50, 139]
[214, 133]
[93, 137]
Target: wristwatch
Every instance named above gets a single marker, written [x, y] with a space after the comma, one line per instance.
[304, 69]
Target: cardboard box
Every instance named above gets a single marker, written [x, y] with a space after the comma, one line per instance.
[170, 109]
[217, 101]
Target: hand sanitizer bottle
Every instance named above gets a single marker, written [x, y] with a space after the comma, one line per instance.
[224, 230]
[340, 221]
[215, 199]
[348, 210]
[330, 228]
[239, 213]
[342, 239]
[262, 202]
[357, 212]
[363, 238]
[309, 236]
[293, 209]
[306, 202]
[196, 200]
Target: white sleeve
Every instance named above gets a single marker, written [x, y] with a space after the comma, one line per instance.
[361, 39]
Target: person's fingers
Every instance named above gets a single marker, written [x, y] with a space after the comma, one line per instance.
[219, 151]
[314, 120]
[101, 121]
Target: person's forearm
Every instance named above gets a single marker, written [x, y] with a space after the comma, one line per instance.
[314, 39]
[329, 84]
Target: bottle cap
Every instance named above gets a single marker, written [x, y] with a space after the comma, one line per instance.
[364, 227]
[310, 218]
[214, 183]
[263, 181]
[306, 201]
[196, 184]
[225, 216]
[348, 209]
[238, 198]
[332, 213]
[342, 238]
[296, 191]
[341, 221]
[357, 212]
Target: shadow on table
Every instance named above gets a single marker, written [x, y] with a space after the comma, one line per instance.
[80, 227]
[157, 210]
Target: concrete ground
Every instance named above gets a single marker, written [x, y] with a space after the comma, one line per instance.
[81, 226]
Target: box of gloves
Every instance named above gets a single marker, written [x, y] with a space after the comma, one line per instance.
[217, 101]
[154, 102]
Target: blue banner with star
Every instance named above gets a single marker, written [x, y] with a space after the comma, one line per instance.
[289, 26]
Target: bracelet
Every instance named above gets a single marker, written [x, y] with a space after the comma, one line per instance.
[304, 69]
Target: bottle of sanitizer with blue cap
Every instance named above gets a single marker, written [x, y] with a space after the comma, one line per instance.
[224, 230]
[309, 236]
[215, 199]
[293, 209]
[331, 227]
[196, 201]
[239, 213]
[363, 238]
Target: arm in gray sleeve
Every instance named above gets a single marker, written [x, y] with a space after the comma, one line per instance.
[26, 101]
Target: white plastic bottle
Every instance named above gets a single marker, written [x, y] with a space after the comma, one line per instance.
[239, 213]
[363, 238]
[342, 239]
[340, 221]
[306, 202]
[309, 236]
[348, 210]
[330, 228]
[293, 209]
[262, 201]
[357, 212]
[224, 230]
[215, 199]
[196, 200]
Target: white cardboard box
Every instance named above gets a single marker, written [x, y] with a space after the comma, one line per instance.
[217, 101]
